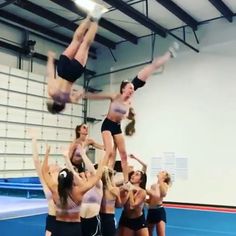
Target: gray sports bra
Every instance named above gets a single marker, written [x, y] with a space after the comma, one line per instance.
[92, 196]
[118, 108]
[61, 97]
[72, 207]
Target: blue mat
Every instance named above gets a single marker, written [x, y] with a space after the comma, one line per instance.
[26, 186]
[180, 223]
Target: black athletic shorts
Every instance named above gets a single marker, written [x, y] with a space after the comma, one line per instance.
[108, 224]
[134, 224]
[156, 215]
[113, 127]
[67, 229]
[91, 226]
[69, 70]
[138, 83]
[50, 223]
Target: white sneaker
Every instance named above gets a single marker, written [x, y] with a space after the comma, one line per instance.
[173, 48]
[97, 12]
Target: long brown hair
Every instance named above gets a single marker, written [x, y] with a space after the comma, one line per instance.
[77, 130]
[65, 184]
[143, 178]
[130, 127]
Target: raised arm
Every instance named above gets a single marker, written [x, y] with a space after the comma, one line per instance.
[163, 188]
[144, 165]
[111, 185]
[38, 167]
[92, 180]
[124, 195]
[50, 72]
[136, 198]
[116, 192]
[88, 164]
[70, 166]
[95, 144]
[46, 173]
[152, 190]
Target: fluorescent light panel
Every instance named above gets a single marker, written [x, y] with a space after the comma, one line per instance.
[86, 5]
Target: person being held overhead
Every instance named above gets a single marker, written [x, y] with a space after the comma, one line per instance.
[120, 105]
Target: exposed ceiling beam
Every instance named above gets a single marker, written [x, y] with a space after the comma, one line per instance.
[8, 2]
[35, 55]
[42, 12]
[71, 6]
[10, 47]
[223, 9]
[35, 27]
[138, 16]
[21, 21]
[179, 12]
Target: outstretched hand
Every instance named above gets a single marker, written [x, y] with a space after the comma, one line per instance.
[132, 156]
[48, 148]
[32, 133]
[76, 96]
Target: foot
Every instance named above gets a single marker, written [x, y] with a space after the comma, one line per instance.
[173, 48]
[97, 12]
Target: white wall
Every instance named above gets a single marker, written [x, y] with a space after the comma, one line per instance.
[22, 107]
[189, 109]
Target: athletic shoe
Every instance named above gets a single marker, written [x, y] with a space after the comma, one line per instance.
[173, 48]
[97, 12]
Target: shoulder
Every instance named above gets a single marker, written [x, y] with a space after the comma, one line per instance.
[116, 97]
[89, 141]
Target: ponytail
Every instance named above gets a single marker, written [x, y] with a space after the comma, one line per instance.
[130, 127]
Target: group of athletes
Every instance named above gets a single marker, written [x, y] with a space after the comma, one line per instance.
[83, 197]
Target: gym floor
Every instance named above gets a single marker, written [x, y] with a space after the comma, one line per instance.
[20, 216]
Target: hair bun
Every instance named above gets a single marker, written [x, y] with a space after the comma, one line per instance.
[63, 173]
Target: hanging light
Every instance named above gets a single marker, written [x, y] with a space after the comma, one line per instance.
[93, 9]
[86, 5]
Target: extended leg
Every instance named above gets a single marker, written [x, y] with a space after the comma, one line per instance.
[83, 50]
[78, 36]
[158, 62]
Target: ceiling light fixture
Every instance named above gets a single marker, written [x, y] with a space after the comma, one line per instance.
[86, 5]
